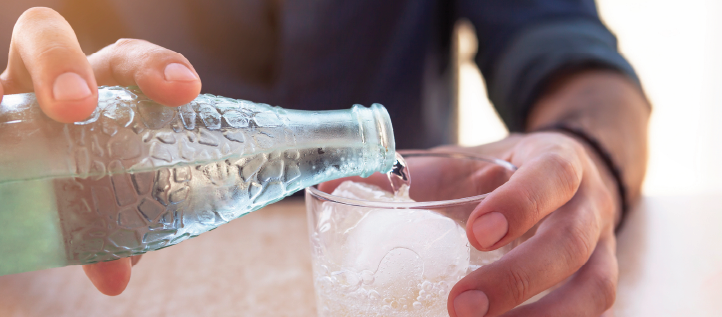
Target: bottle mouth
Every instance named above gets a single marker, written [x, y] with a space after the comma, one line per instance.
[315, 192]
[376, 132]
[385, 132]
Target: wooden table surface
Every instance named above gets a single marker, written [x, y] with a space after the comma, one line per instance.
[669, 251]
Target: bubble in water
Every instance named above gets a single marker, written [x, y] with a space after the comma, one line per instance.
[360, 294]
[325, 282]
[374, 296]
[427, 286]
[443, 285]
[348, 280]
[417, 305]
[367, 277]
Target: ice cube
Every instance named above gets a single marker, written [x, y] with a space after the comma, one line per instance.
[439, 241]
[364, 191]
[334, 219]
[402, 247]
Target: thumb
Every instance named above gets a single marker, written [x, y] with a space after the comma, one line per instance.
[110, 278]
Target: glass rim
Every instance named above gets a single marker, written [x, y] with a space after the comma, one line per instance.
[313, 191]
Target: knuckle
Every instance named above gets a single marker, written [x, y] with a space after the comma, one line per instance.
[532, 207]
[176, 55]
[605, 287]
[517, 283]
[125, 43]
[52, 49]
[37, 14]
[42, 32]
[568, 174]
[141, 50]
[577, 245]
[606, 203]
[34, 17]
[35, 21]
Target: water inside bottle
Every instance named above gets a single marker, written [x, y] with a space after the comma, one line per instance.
[107, 216]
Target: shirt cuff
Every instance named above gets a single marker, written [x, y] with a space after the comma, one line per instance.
[537, 52]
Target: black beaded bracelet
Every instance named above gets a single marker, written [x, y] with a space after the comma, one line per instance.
[606, 159]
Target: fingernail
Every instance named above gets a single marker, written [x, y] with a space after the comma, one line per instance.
[179, 72]
[471, 304]
[70, 86]
[490, 228]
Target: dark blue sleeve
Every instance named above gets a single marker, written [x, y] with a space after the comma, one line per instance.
[523, 42]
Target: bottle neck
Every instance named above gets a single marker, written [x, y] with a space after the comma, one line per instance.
[367, 130]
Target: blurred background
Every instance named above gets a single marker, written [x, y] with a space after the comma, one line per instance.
[676, 49]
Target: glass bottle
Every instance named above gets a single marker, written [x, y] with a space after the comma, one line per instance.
[138, 176]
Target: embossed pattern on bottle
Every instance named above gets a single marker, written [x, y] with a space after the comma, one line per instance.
[118, 205]
[138, 176]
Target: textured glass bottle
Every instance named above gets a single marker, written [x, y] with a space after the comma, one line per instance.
[138, 176]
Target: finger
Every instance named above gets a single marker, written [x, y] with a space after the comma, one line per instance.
[563, 243]
[135, 259]
[163, 75]
[608, 313]
[110, 278]
[550, 172]
[591, 292]
[45, 57]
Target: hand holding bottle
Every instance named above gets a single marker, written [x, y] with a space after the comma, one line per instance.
[46, 58]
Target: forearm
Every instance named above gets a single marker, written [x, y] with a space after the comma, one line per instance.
[608, 107]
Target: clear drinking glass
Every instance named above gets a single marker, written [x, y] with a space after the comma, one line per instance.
[373, 258]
